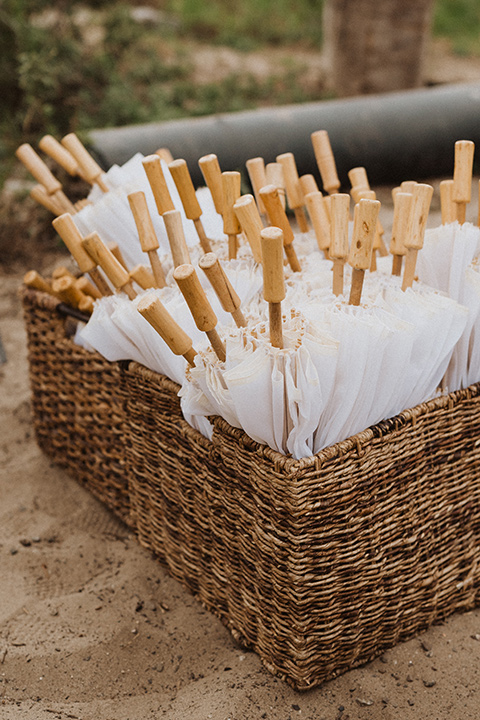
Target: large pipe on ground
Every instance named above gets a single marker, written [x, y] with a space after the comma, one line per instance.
[396, 136]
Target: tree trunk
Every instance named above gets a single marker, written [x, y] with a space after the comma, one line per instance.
[374, 46]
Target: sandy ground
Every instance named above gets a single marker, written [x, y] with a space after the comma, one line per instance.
[93, 628]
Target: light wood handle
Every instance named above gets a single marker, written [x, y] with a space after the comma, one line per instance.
[60, 271]
[164, 154]
[35, 165]
[212, 175]
[449, 211]
[422, 196]
[292, 181]
[194, 294]
[276, 213]
[143, 277]
[462, 173]
[325, 160]
[86, 287]
[70, 234]
[365, 218]
[320, 219]
[273, 275]
[402, 210]
[224, 290]
[90, 169]
[274, 176]
[49, 202]
[153, 310]
[65, 288]
[258, 179]
[231, 182]
[176, 237]
[340, 212]
[113, 246]
[143, 221]
[308, 185]
[184, 184]
[156, 178]
[251, 224]
[358, 178]
[86, 304]
[51, 147]
[407, 186]
[34, 280]
[102, 256]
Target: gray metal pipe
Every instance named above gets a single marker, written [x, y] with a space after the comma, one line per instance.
[396, 136]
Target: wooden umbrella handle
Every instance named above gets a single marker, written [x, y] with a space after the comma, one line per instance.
[274, 176]
[152, 165]
[212, 175]
[340, 213]
[113, 269]
[462, 176]
[165, 154]
[186, 190]
[34, 280]
[320, 219]
[258, 179]
[66, 289]
[143, 277]
[51, 147]
[325, 161]
[231, 181]
[448, 207]
[202, 312]
[292, 181]
[358, 178]
[365, 218]
[70, 234]
[251, 224]
[295, 197]
[422, 196]
[308, 185]
[153, 310]
[40, 171]
[90, 169]
[222, 286]
[176, 237]
[143, 221]
[402, 209]
[273, 280]
[278, 218]
[49, 202]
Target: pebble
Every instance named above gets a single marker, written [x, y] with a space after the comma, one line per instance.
[429, 683]
[363, 702]
[411, 703]
[475, 637]
[25, 542]
[409, 678]
[425, 645]
[13, 551]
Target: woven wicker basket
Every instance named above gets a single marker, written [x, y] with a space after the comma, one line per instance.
[318, 564]
[78, 403]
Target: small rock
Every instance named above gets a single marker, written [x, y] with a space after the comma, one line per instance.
[364, 703]
[429, 683]
[25, 542]
[13, 551]
[409, 678]
[475, 637]
[383, 659]
[411, 703]
[425, 645]
[295, 707]
[139, 606]
[36, 539]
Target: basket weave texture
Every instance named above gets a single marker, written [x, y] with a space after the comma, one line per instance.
[78, 401]
[319, 564]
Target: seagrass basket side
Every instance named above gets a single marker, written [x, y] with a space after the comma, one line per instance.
[384, 536]
[78, 401]
[221, 531]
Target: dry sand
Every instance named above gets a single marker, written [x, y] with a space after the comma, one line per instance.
[92, 627]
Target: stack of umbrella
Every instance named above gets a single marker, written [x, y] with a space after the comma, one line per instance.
[300, 314]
